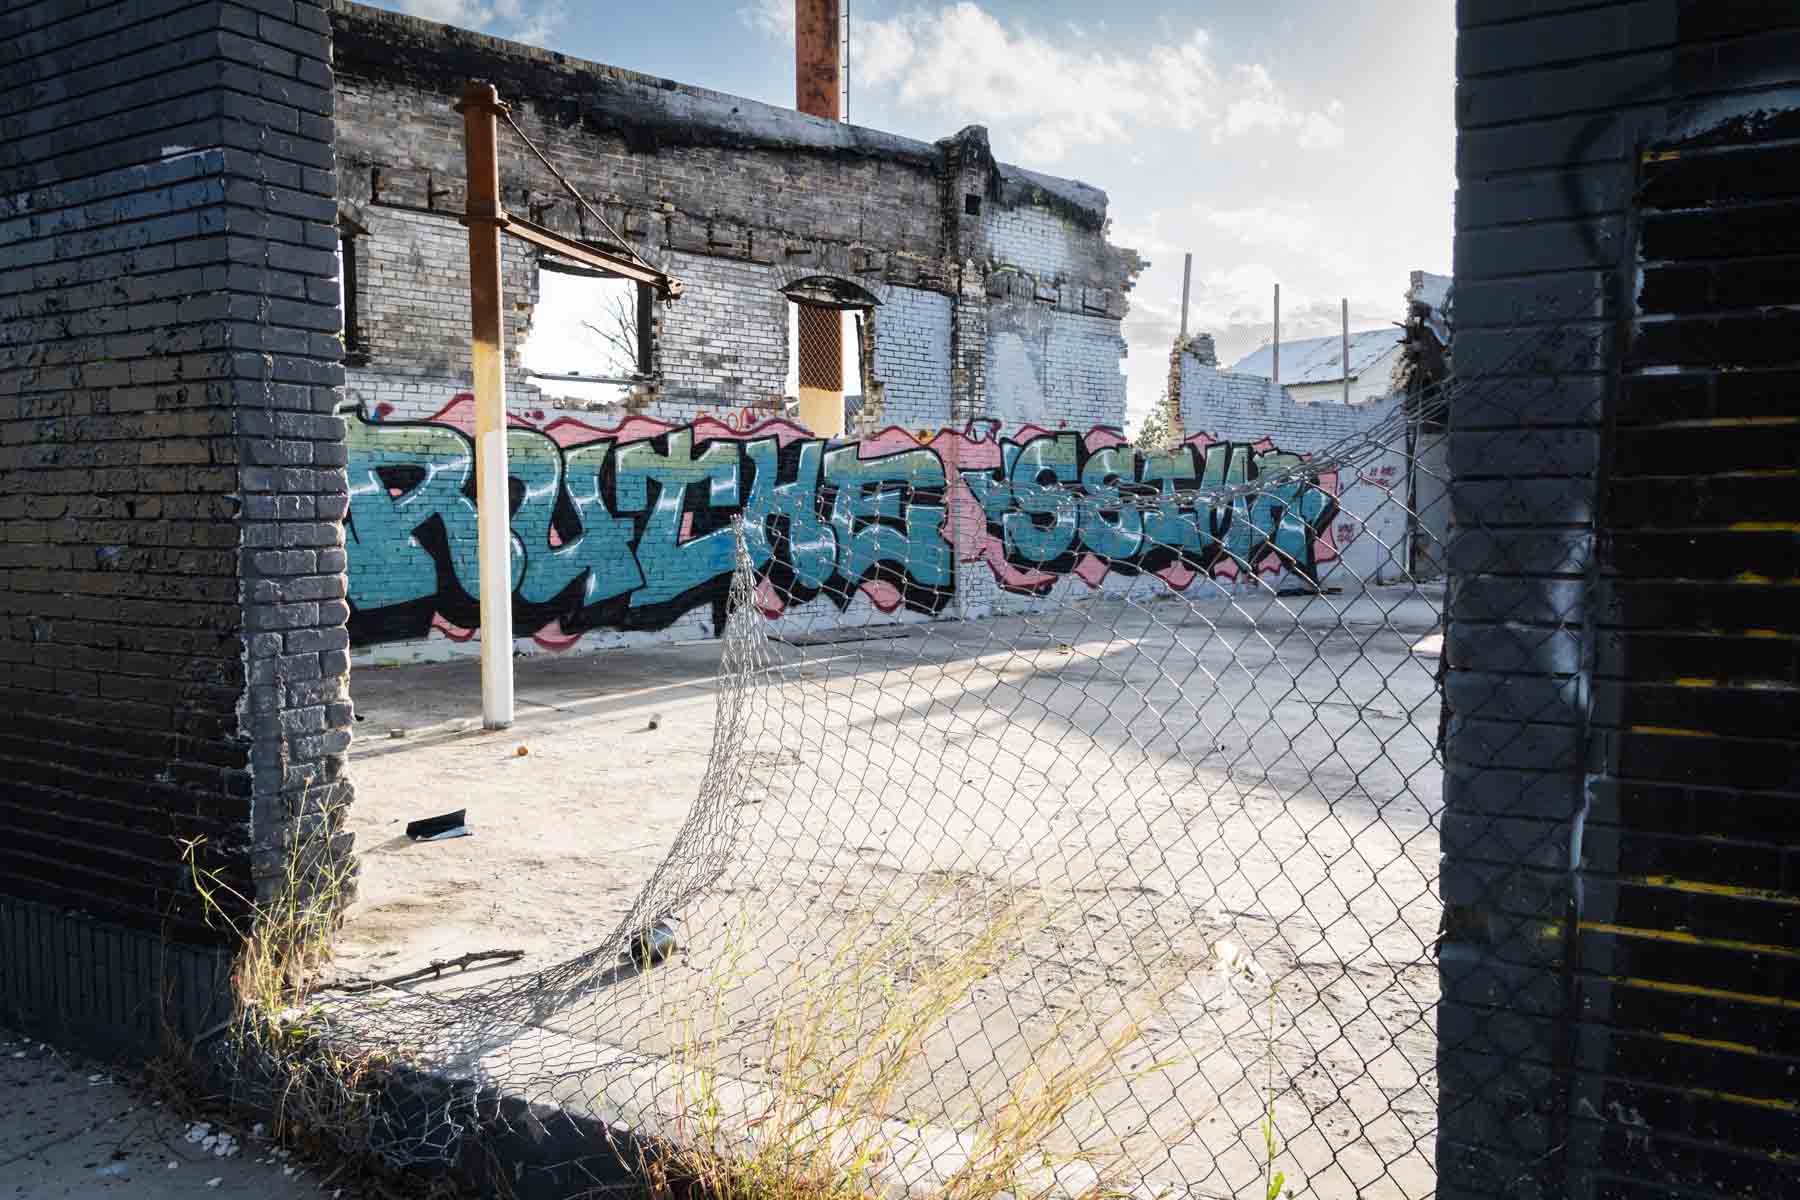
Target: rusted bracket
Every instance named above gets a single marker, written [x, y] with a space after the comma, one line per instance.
[667, 286]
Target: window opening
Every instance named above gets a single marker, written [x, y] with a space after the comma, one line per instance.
[590, 336]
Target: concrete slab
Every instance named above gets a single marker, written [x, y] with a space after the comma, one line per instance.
[72, 1129]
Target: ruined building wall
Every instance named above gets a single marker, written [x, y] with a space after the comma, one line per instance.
[996, 295]
[1369, 531]
[1054, 352]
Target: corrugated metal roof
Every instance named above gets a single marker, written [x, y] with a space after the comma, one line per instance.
[1320, 360]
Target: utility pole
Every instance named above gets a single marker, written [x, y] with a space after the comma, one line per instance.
[485, 219]
[1187, 275]
[1346, 350]
[1275, 375]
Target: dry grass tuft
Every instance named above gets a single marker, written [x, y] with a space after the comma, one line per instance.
[320, 1092]
[850, 1036]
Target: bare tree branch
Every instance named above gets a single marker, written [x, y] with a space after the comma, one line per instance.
[617, 329]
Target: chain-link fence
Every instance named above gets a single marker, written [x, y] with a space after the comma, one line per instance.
[1123, 875]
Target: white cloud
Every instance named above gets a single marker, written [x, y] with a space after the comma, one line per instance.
[1052, 95]
[773, 17]
[521, 20]
[1259, 106]
[960, 57]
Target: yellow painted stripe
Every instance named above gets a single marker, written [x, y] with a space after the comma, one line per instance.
[1740, 1098]
[1669, 731]
[1710, 1043]
[1764, 527]
[1764, 633]
[1703, 888]
[1692, 681]
[1687, 939]
[1709, 993]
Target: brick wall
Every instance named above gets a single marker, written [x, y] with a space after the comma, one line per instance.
[725, 342]
[912, 359]
[740, 201]
[172, 643]
[1370, 530]
[1054, 369]
[1619, 840]
[411, 269]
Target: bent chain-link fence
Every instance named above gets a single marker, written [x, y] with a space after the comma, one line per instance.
[1159, 827]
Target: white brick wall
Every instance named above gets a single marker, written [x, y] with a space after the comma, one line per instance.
[1036, 240]
[1053, 368]
[1371, 527]
[725, 341]
[912, 358]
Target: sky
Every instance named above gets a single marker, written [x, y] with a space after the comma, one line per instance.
[1305, 142]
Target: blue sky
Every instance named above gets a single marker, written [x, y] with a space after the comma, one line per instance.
[1298, 141]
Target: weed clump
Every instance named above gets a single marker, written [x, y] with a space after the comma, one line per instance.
[850, 1037]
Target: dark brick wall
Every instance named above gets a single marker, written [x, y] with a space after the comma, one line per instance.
[1621, 873]
[172, 642]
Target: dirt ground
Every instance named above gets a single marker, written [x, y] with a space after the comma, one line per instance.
[78, 1130]
[1207, 807]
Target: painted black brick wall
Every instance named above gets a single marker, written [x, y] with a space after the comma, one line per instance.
[1621, 878]
[173, 654]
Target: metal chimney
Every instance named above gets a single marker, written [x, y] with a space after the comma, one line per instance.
[816, 41]
[821, 330]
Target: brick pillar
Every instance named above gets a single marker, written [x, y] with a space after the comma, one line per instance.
[967, 181]
[1617, 965]
[173, 653]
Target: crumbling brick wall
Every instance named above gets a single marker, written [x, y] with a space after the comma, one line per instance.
[173, 651]
[741, 201]
[1370, 530]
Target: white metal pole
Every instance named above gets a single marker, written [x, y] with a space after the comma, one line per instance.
[1346, 349]
[1275, 375]
[493, 499]
[1187, 275]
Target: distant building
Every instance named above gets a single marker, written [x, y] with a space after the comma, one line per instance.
[1312, 369]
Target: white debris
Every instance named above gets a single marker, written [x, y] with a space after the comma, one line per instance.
[256, 1130]
[215, 1181]
[173, 1165]
[199, 1131]
[1230, 959]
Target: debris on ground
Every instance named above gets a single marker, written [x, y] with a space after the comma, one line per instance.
[656, 944]
[448, 825]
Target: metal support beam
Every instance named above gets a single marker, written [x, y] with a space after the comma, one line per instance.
[483, 215]
[568, 247]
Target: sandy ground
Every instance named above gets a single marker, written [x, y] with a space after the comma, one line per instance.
[72, 1129]
[1167, 789]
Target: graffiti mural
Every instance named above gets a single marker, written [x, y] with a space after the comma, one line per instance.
[630, 527]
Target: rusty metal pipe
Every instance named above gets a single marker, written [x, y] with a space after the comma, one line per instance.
[481, 109]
